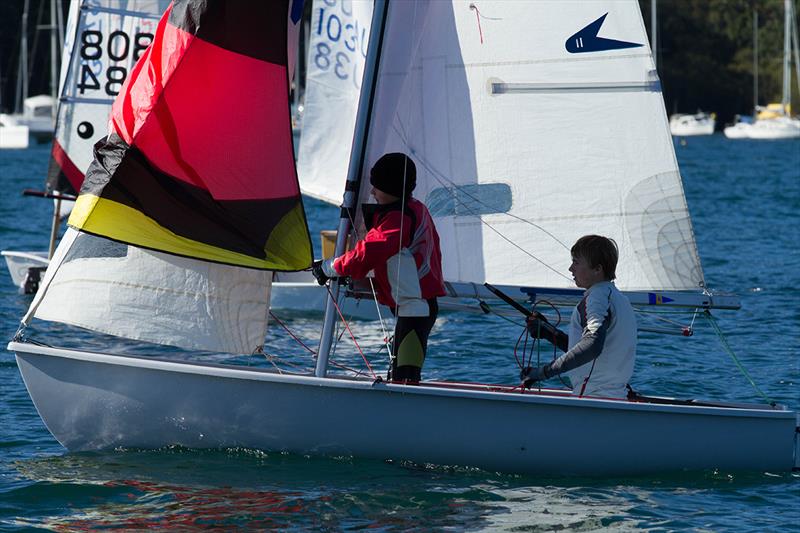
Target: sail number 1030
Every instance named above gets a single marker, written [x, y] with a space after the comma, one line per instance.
[118, 47]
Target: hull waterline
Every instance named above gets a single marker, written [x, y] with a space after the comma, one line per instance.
[92, 401]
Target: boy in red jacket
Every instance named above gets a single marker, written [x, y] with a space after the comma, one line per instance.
[402, 248]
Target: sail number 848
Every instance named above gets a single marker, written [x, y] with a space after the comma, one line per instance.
[117, 47]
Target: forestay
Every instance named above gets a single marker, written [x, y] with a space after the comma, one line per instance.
[189, 168]
[336, 52]
[532, 124]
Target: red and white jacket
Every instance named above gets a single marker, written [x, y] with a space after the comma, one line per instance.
[408, 268]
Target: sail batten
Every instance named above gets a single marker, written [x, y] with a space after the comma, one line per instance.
[507, 88]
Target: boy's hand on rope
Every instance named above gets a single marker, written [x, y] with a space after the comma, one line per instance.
[536, 325]
[532, 374]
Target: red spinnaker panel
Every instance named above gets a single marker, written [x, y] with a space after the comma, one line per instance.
[200, 161]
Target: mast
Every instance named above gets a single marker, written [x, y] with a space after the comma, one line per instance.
[53, 57]
[56, 39]
[787, 37]
[755, 63]
[654, 31]
[60, 24]
[22, 68]
[796, 48]
[353, 184]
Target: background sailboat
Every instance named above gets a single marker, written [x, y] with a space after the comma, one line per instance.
[508, 183]
[782, 125]
[104, 38]
[775, 121]
[741, 127]
[680, 124]
[38, 112]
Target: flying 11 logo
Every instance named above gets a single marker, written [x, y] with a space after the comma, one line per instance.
[339, 40]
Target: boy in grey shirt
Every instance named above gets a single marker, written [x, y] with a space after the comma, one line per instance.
[601, 346]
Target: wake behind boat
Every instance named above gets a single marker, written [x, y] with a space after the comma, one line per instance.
[146, 259]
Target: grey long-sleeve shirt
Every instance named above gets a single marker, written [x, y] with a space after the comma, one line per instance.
[602, 344]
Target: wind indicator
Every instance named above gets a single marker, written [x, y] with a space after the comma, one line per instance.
[586, 40]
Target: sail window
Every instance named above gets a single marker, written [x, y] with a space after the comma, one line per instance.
[88, 246]
[469, 200]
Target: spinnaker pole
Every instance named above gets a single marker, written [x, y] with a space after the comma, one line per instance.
[353, 184]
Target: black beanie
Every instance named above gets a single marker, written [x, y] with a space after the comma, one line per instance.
[387, 174]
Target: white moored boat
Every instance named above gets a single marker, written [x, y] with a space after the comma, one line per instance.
[775, 121]
[37, 114]
[688, 125]
[509, 130]
[13, 135]
[739, 130]
[775, 128]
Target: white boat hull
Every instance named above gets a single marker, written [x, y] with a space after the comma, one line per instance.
[12, 134]
[689, 125]
[19, 263]
[94, 401]
[775, 128]
[740, 130]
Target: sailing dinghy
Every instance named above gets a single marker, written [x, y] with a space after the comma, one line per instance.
[510, 110]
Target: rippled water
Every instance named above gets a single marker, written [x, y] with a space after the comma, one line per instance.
[744, 198]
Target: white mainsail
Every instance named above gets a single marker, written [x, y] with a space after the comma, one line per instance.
[336, 53]
[524, 140]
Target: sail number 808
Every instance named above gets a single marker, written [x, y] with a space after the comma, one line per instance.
[118, 46]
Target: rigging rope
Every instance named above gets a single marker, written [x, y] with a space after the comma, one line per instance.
[346, 325]
[445, 182]
[730, 351]
[380, 320]
[278, 320]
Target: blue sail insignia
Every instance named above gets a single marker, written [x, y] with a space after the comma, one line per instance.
[586, 40]
[658, 299]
